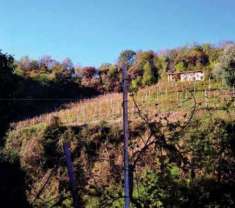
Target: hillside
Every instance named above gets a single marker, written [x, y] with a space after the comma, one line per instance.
[93, 129]
[182, 133]
[117, 104]
[170, 97]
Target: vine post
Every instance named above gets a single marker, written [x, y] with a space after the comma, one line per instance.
[126, 136]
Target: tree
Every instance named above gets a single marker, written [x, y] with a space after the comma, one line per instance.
[46, 62]
[67, 64]
[128, 57]
[109, 78]
[88, 72]
[226, 66]
[218, 72]
[135, 84]
[190, 58]
[149, 77]
[61, 74]
[180, 67]
[35, 65]
[7, 89]
[161, 64]
[25, 63]
[136, 71]
[90, 78]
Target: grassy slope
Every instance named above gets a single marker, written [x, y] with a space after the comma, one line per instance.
[173, 99]
[169, 97]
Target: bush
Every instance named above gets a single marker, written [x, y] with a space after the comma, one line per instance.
[135, 84]
[180, 67]
[149, 77]
[226, 68]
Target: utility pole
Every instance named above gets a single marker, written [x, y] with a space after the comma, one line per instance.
[126, 136]
[72, 180]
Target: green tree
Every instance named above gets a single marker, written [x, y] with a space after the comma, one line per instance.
[180, 67]
[127, 57]
[226, 66]
[135, 84]
[7, 89]
[149, 77]
[161, 64]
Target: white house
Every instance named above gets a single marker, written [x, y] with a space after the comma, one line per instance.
[186, 76]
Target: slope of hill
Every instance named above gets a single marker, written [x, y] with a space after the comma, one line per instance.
[176, 132]
[169, 97]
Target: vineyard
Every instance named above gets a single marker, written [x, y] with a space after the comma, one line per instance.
[117, 104]
[94, 131]
[164, 97]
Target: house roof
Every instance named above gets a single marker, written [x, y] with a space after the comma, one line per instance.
[186, 72]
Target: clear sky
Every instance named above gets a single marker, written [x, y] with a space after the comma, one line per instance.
[91, 32]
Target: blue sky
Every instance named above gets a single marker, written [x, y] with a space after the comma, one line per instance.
[92, 32]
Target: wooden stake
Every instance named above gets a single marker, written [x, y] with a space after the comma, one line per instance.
[72, 181]
[126, 137]
[206, 98]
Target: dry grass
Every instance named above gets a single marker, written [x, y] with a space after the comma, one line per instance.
[163, 97]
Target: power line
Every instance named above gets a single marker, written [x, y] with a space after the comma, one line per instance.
[40, 99]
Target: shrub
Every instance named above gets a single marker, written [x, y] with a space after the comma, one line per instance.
[149, 77]
[226, 67]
